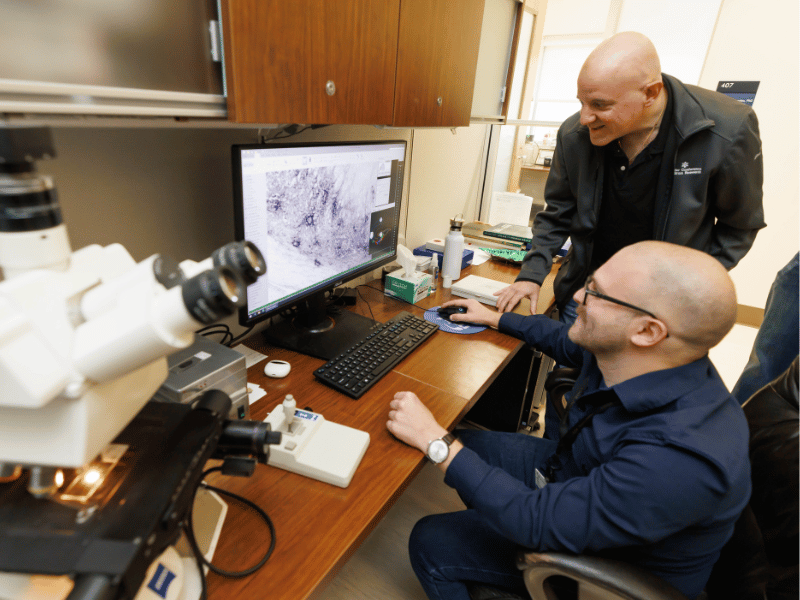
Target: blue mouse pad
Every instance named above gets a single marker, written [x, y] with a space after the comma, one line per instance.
[433, 317]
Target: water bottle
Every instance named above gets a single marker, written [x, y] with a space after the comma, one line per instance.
[529, 152]
[453, 249]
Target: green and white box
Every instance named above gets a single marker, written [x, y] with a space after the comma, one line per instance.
[411, 289]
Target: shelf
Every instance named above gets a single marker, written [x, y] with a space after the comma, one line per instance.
[536, 168]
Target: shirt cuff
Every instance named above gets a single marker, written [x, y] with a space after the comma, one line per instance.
[466, 472]
[511, 324]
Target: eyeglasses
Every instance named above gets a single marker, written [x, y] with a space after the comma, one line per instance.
[588, 292]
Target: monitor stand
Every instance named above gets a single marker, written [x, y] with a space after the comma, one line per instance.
[315, 333]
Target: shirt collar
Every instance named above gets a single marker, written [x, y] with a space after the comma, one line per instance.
[658, 388]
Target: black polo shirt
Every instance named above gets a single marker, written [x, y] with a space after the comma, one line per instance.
[627, 207]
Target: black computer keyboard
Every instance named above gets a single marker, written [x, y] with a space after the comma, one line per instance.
[359, 367]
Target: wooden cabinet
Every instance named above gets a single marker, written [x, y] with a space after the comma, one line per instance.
[383, 62]
[436, 59]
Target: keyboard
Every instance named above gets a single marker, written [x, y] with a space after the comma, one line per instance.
[359, 367]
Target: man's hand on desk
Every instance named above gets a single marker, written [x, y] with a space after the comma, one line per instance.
[476, 313]
[411, 422]
[509, 297]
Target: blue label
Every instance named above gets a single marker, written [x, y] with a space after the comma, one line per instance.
[161, 580]
[304, 414]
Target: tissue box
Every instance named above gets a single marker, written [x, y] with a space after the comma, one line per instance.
[411, 289]
[425, 251]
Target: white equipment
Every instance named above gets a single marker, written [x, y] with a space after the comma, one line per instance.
[84, 340]
[314, 447]
[478, 288]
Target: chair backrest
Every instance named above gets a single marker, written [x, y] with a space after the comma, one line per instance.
[761, 559]
[558, 382]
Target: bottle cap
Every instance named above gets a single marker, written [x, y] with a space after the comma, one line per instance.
[447, 281]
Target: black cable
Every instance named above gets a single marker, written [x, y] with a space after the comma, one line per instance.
[289, 130]
[200, 559]
[241, 335]
[358, 291]
[213, 329]
[226, 335]
[217, 328]
[370, 287]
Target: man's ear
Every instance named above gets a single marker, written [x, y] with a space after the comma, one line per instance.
[652, 91]
[648, 332]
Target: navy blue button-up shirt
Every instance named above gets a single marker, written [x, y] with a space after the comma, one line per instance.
[658, 481]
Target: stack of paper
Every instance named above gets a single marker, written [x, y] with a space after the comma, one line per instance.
[508, 207]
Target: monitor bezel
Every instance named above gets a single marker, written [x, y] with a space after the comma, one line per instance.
[238, 207]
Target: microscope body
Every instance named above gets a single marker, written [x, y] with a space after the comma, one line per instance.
[96, 479]
[81, 351]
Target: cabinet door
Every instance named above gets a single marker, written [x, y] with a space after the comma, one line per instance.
[436, 60]
[305, 61]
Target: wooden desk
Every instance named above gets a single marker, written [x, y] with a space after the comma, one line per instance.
[318, 525]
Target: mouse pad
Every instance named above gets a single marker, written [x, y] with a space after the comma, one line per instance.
[463, 328]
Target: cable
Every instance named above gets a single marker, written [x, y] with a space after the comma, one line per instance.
[201, 560]
[241, 335]
[358, 291]
[370, 287]
[227, 337]
[290, 130]
[214, 326]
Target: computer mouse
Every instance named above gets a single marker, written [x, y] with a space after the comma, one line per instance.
[446, 311]
[277, 368]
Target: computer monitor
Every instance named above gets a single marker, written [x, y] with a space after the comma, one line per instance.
[322, 214]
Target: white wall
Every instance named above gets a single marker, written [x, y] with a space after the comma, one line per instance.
[759, 41]
[446, 179]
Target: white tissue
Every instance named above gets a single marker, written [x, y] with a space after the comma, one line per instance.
[407, 260]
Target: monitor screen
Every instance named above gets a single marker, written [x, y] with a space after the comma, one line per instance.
[321, 214]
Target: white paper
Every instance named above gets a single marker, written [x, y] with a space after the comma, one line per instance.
[512, 208]
[479, 256]
[251, 357]
[255, 392]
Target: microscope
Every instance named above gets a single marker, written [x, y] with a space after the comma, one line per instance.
[96, 480]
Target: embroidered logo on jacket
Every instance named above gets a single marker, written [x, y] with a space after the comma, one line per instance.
[687, 170]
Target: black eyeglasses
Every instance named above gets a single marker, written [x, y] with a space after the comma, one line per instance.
[588, 292]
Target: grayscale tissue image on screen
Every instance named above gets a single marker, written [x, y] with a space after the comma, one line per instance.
[321, 214]
[318, 224]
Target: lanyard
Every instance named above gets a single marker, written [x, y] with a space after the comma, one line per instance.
[568, 437]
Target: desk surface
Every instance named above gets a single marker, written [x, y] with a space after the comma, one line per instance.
[318, 525]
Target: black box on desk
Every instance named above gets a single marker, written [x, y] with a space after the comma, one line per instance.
[424, 251]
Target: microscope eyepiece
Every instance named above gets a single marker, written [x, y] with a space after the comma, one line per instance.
[213, 294]
[243, 257]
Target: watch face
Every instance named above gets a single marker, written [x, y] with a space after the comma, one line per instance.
[438, 451]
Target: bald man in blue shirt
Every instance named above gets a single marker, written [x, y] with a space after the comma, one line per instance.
[653, 465]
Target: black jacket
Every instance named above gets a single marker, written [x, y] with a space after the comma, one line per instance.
[709, 196]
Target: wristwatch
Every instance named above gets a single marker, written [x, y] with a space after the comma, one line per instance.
[439, 450]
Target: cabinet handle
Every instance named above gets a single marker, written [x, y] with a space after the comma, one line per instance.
[439, 101]
[330, 88]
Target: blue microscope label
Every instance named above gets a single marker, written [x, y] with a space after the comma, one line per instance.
[161, 580]
[304, 414]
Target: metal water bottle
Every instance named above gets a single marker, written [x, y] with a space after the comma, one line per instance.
[453, 249]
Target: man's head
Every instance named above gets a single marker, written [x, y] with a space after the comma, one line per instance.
[655, 299]
[620, 88]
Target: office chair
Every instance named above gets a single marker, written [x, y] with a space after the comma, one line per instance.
[558, 382]
[761, 559]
